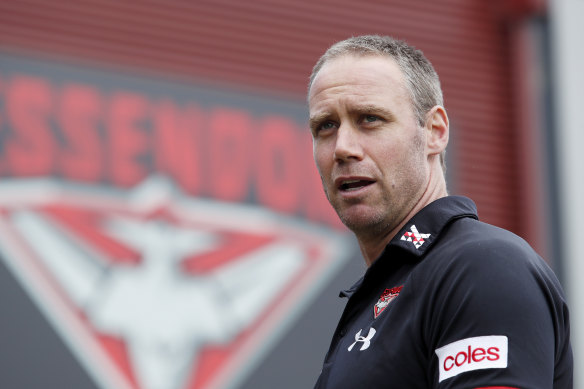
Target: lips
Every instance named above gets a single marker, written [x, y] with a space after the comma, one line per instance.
[348, 185]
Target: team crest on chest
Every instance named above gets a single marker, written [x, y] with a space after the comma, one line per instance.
[386, 297]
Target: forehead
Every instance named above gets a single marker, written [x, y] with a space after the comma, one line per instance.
[368, 77]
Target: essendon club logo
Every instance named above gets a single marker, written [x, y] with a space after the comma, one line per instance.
[150, 289]
[386, 297]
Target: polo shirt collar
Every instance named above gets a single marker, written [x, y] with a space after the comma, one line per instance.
[422, 230]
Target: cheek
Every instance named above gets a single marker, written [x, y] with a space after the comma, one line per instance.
[390, 156]
[322, 159]
[398, 162]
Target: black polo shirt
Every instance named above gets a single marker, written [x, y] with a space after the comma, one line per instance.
[452, 303]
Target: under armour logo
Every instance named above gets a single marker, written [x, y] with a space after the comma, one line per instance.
[415, 237]
[366, 340]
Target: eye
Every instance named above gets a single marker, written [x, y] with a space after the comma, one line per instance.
[325, 126]
[370, 118]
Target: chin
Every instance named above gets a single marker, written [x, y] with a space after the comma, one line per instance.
[358, 220]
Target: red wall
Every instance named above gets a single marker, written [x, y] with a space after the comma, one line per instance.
[270, 46]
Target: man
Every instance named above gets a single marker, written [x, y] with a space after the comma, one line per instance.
[447, 301]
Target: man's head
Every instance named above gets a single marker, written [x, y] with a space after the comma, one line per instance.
[377, 157]
[420, 77]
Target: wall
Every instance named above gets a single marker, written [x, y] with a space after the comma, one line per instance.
[145, 111]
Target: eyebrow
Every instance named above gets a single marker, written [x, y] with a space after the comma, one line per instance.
[374, 109]
[315, 120]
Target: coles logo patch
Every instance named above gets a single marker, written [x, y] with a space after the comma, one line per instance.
[386, 298]
[481, 352]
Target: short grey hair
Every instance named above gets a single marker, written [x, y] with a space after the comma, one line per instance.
[421, 79]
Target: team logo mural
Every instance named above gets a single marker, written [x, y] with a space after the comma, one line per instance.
[152, 290]
[167, 232]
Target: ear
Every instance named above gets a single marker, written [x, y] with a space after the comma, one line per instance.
[437, 130]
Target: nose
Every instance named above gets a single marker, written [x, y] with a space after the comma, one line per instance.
[348, 145]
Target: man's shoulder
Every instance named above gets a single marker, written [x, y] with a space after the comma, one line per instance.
[470, 236]
[474, 247]
[486, 262]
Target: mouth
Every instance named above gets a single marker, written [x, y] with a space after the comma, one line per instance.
[354, 185]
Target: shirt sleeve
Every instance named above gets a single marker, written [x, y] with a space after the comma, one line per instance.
[498, 320]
